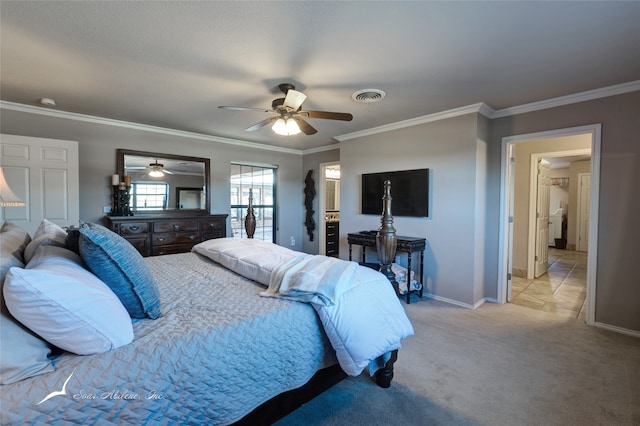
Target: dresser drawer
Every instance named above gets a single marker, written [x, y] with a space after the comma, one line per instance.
[175, 226]
[332, 226]
[134, 228]
[213, 225]
[175, 238]
[171, 249]
[140, 242]
[153, 236]
[210, 235]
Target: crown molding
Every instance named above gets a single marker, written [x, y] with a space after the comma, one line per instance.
[142, 127]
[589, 95]
[481, 108]
[487, 111]
[321, 149]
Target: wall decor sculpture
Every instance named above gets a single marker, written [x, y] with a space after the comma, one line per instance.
[309, 195]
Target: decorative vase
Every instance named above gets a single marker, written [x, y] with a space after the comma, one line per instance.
[250, 220]
[121, 196]
[386, 239]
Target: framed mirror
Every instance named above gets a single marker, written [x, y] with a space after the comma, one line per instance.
[165, 182]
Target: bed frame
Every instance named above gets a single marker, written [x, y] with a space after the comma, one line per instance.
[287, 402]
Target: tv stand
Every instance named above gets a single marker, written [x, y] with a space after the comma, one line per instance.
[407, 245]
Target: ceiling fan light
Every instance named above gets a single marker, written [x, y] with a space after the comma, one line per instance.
[280, 127]
[286, 127]
[292, 127]
[157, 169]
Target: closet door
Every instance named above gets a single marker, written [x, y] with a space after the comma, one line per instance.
[44, 173]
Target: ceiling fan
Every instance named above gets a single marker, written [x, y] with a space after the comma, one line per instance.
[155, 169]
[289, 117]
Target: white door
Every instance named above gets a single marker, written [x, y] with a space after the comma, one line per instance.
[584, 197]
[510, 203]
[45, 174]
[542, 217]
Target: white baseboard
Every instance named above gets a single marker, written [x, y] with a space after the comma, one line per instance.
[456, 302]
[617, 329]
[484, 300]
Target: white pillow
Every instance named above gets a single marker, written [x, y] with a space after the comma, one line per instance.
[68, 306]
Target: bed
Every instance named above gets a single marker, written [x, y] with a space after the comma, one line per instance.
[229, 344]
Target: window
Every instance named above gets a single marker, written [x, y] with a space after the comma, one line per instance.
[261, 180]
[149, 195]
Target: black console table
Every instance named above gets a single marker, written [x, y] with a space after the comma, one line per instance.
[407, 245]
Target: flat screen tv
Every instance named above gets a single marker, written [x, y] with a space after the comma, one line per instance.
[409, 192]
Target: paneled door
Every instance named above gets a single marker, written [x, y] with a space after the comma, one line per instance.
[542, 217]
[584, 215]
[44, 173]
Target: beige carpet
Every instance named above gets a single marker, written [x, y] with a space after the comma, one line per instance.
[497, 365]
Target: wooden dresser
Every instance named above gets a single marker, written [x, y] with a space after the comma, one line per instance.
[156, 235]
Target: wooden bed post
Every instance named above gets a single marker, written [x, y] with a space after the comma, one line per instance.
[386, 239]
[385, 374]
[250, 220]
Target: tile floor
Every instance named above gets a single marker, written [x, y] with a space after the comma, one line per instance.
[562, 290]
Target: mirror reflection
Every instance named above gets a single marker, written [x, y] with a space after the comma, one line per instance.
[189, 198]
[162, 182]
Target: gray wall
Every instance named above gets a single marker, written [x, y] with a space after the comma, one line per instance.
[452, 151]
[617, 283]
[97, 151]
[312, 162]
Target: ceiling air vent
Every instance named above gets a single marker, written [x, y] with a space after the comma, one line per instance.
[368, 95]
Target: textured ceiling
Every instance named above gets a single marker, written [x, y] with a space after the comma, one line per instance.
[170, 64]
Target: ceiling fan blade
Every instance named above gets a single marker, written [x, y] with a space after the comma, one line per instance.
[237, 108]
[167, 171]
[294, 99]
[344, 116]
[305, 127]
[261, 124]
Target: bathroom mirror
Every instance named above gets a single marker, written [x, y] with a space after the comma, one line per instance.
[165, 182]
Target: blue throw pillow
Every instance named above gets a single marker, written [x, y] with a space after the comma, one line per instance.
[118, 264]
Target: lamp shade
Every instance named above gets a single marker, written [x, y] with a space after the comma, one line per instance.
[280, 127]
[7, 197]
[286, 127]
[292, 127]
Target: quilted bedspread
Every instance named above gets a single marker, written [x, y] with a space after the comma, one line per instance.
[361, 314]
[218, 351]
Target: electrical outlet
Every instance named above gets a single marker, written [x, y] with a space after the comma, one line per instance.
[293, 241]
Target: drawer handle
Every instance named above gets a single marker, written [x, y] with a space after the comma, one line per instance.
[212, 225]
[176, 226]
[134, 228]
[161, 239]
[192, 237]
